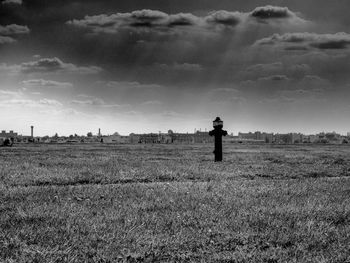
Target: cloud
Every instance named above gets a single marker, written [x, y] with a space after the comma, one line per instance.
[13, 29]
[41, 83]
[274, 78]
[6, 40]
[300, 68]
[15, 2]
[50, 102]
[46, 65]
[152, 102]
[6, 33]
[170, 114]
[162, 22]
[6, 94]
[181, 67]
[275, 71]
[225, 95]
[9, 98]
[226, 18]
[129, 85]
[299, 96]
[94, 101]
[280, 88]
[31, 103]
[305, 41]
[266, 86]
[9, 69]
[183, 19]
[265, 67]
[314, 82]
[271, 12]
[137, 19]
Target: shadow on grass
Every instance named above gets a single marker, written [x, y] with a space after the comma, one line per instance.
[117, 181]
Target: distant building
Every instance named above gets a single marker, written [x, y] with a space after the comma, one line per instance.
[116, 138]
[296, 138]
[283, 138]
[313, 138]
[172, 137]
[202, 137]
[247, 136]
[134, 138]
[266, 137]
[256, 136]
[182, 138]
[9, 134]
[149, 138]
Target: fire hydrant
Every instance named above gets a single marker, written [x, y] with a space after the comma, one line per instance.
[218, 132]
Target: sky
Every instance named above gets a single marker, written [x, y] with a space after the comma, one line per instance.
[137, 66]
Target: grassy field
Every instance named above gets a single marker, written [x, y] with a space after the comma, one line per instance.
[159, 203]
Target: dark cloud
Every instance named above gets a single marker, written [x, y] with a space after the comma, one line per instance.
[225, 95]
[267, 12]
[276, 15]
[298, 97]
[6, 33]
[286, 89]
[182, 20]
[274, 78]
[97, 102]
[42, 83]
[6, 40]
[303, 41]
[13, 29]
[332, 44]
[296, 48]
[129, 85]
[47, 65]
[94, 101]
[314, 82]
[225, 18]
[9, 2]
[32, 103]
[275, 70]
[266, 67]
[147, 37]
[181, 67]
[56, 65]
[162, 21]
[152, 102]
[136, 19]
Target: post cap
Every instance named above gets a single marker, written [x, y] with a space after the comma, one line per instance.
[218, 122]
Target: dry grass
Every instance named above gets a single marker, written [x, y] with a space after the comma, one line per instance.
[156, 203]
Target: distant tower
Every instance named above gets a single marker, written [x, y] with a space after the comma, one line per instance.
[99, 132]
[32, 131]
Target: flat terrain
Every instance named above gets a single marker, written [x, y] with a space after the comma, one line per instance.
[159, 203]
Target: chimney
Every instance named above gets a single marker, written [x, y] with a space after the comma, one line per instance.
[99, 132]
[32, 131]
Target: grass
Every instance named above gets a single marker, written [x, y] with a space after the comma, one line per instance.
[159, 203]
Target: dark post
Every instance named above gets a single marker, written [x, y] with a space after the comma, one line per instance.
[218, 132]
